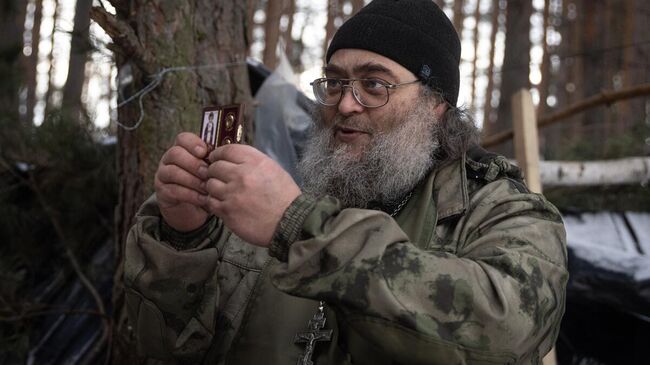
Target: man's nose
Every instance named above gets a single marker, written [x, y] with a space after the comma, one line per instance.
[348, 103]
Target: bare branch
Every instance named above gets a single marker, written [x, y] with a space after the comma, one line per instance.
[124, 38]
[605, 97]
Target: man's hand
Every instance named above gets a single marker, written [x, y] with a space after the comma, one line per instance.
[180, 183]
[249, 192]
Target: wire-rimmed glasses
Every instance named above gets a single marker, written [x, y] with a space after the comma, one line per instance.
[371, 93]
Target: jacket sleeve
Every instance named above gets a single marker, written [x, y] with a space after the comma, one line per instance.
[498, 297]
[170, 285]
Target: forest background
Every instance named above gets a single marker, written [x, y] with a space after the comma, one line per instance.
[92, 92]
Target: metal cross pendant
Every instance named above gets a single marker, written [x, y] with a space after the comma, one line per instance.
[314, 333]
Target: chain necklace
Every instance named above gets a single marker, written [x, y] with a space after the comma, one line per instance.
[401, 204]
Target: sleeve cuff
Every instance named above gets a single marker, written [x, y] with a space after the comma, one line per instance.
[290, 226]
[185, 240]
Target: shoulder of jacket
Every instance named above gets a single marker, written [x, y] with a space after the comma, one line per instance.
[483, 167]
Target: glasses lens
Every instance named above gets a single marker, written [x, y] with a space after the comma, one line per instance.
[327, 91]
[371, 92]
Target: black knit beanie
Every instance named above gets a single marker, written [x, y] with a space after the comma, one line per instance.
[414, 33]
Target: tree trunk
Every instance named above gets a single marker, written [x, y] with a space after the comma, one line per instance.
[596, 72]
[489, 118]
[251, 8]
[516, 60]
[79, 47]
[50, 84]
[601, 49]
[272, 32]
[636, 68]
[29, 66]
[12, 20]
[356, 6]
[149, 37]
[477, 18]
[545, 71]
[459, 16]
[330, 27]
[288, 38]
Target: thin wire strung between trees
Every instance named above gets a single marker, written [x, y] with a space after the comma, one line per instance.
[157, 79]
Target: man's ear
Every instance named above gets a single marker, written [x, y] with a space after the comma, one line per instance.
[440, 109]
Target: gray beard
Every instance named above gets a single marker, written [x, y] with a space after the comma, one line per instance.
[389, 168]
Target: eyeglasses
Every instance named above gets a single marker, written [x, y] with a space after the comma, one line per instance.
[371, 93]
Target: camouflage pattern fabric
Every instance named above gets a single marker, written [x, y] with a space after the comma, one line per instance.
[471, 271]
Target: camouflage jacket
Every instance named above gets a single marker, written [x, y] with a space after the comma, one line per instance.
[471, 271]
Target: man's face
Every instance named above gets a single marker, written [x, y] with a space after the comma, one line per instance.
[368, 156]
[353, 125]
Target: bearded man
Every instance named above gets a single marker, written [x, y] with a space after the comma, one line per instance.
[407, 244]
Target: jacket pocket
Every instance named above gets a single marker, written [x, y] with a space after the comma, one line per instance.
[148, 326]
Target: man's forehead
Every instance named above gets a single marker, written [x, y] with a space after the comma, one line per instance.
[357, 61]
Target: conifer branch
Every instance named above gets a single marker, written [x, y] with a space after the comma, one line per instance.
[124, 38]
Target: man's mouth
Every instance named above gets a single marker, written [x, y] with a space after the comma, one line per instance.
[348, 134]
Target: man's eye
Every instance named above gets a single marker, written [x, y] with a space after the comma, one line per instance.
[333, 83]
[373, 84]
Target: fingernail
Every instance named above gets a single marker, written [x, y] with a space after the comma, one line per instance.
[203, 172]
[199, 150]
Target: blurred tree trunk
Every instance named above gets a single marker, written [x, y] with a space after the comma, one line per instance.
[251, 8]
[79, 47]
[286, 35]
[272, 32]
[356, 6]
[589, 29]
[545, 71]
[568, 75]
[29, 64]
[459, 16]
[597, 67]
[477, 18]
[50, 60]
[333, 11]
[150, 36]
[12, 20]
[516, 60]
[488, 110]
[636, 70]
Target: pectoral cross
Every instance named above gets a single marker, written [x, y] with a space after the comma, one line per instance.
[315, 333]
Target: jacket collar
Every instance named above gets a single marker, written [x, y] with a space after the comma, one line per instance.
[441, 195]
[450, 190]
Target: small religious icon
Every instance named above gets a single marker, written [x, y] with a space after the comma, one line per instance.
[222, 125]
[230, 121]
[314, 334]
[209, 128]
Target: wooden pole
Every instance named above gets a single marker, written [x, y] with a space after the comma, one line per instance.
[524, 124]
